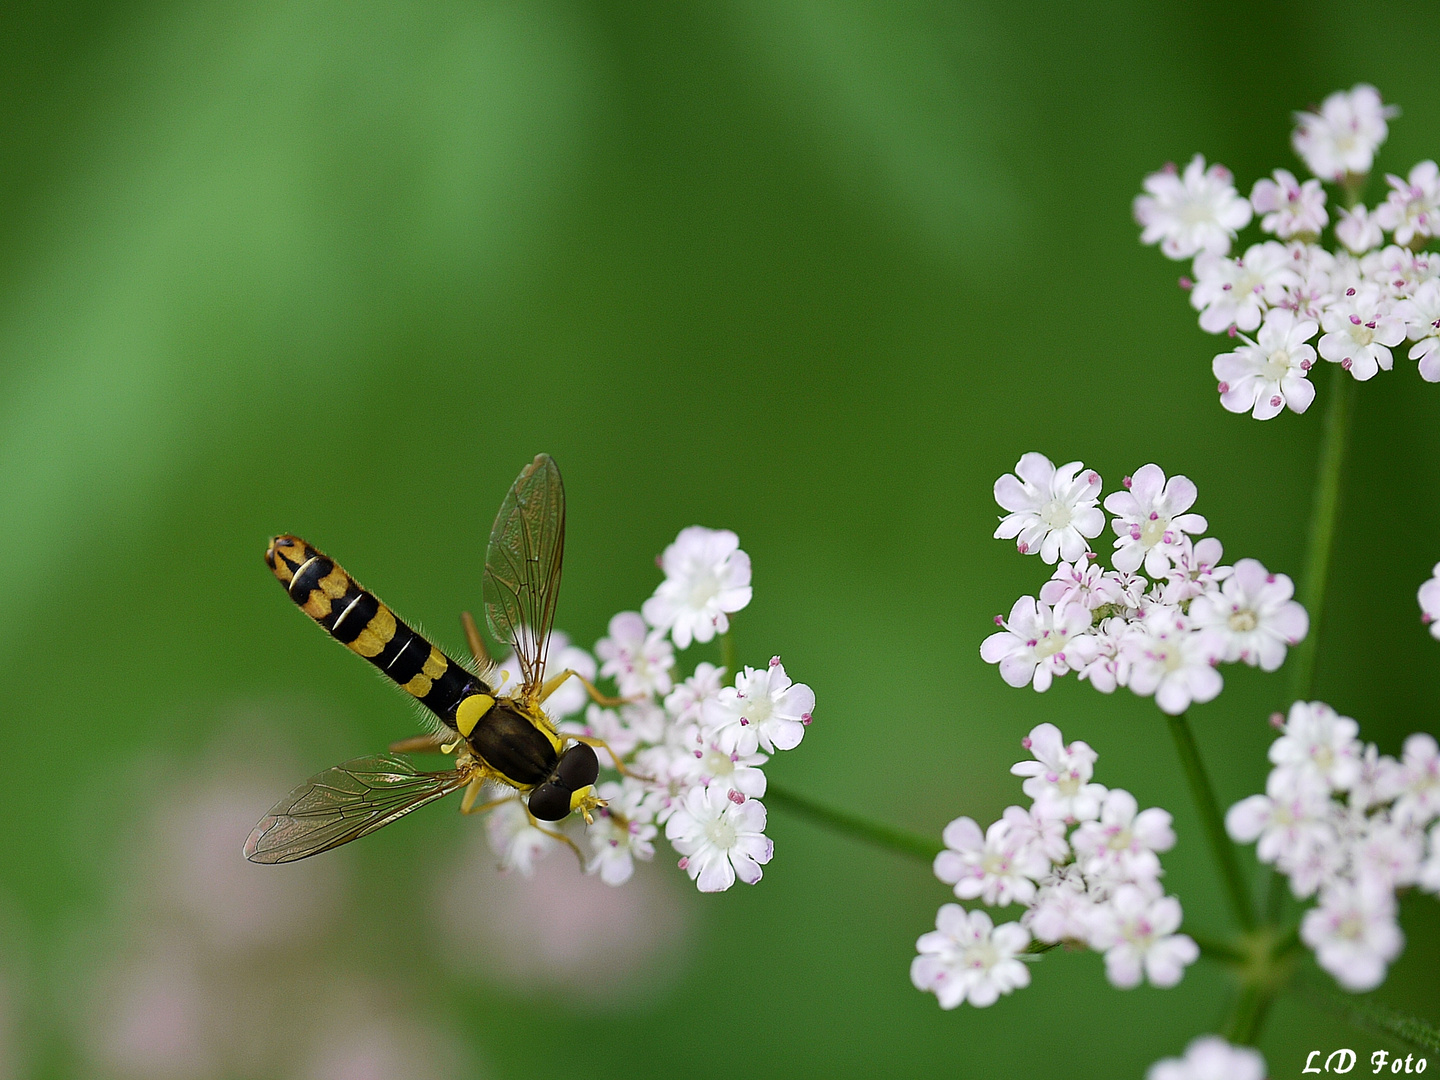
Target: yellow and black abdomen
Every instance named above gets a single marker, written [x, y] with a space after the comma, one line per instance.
[365, 626]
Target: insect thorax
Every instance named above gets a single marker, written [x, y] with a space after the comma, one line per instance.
[512, 744]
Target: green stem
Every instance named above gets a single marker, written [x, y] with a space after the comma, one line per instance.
[1213, 822]
[872, 832]
[1249, 1013]
[1320, 544]
[1372, 1016]
[727, 652]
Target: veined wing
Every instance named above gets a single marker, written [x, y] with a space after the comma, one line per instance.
[522, 566]
[344, 804]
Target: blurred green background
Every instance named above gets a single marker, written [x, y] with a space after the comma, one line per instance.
[816, 272]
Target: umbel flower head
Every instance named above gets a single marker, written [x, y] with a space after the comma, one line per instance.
[1360, 298]
[1098, 888]
[694, 748]
[1347, 825]
[1162, 634]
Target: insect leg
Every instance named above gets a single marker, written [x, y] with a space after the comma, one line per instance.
[535, 824]
[476, 642]
[595, 740]
[553, 684]
[418, 744]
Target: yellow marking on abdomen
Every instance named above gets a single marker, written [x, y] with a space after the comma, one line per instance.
[376, 635]
[470, 711]
[435, 665]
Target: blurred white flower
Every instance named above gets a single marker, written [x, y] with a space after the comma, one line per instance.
[1318, 742]
[1421, 312]
[1359, 230]
[1053, 512]
[622, 832]
[1411, 212]
[1429, 597]
[996, 866]
[638, 658]
[1210, 1058]
[1354, 934]
[1418, 780]
[1137, 932]
[570, 697]
[1198, 210]
[1237, 292]
[707, 579]
[686, 703]
[1343, 136]
[1058, 780]
[1123, 843]
[517, 843]
[967, 958]
[1289, 207]
[1172, 660]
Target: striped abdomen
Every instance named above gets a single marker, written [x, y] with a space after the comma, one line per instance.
[365, 626]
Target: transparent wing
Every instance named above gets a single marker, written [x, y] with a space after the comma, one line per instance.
[344, 804]
[522, 566]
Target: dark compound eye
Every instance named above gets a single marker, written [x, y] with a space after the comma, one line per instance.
[578, 767]
[550, 802]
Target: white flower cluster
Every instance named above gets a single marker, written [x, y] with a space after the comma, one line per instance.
[1362, 299]
[1210, 1058]
[1099, 886]
[1162, 633]
[1429, 597]
[1348, 823]
[694, 746]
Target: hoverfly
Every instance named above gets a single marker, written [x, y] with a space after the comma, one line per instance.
[494, 736]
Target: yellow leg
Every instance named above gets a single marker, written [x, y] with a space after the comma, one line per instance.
[419, 744]
[467, 804]
[535, 824]
[475, 641]
[595, 740]
[553, 684]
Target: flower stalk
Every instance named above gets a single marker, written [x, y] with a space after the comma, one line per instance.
[852, 825]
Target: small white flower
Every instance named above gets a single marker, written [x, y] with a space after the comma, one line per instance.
[1386, 855]
[1236, 292]
[1173, 661]
[1344, 135]
[1197, 211]
[1421, 312]
[605, 724]
[1360, 332]
[997, 866]
[1354, 934]
[1197, 571]
[1419, 781]
[1037, 643]
[707, 579]
[1412, 209]
[1380, 779]
[1151, 519]
[1319, 743]
[1037, 832]
[1254, 615]
[1290, 820]
[1137, 932]
[1290, 207]
[638, 658]
[1108, 667]
[719, 838]
[518, 843]
[1086, 583]
[967, 958]
[1358, 230]
[1430, 602]
[1314, 266]
[686, 703]
[622, 832]
[1059, 777]
[1063, 910]
[763, 709]
[1052, 511]
[1263, 377]
[1123, 843]
[1210, 1058]
[727, 770]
